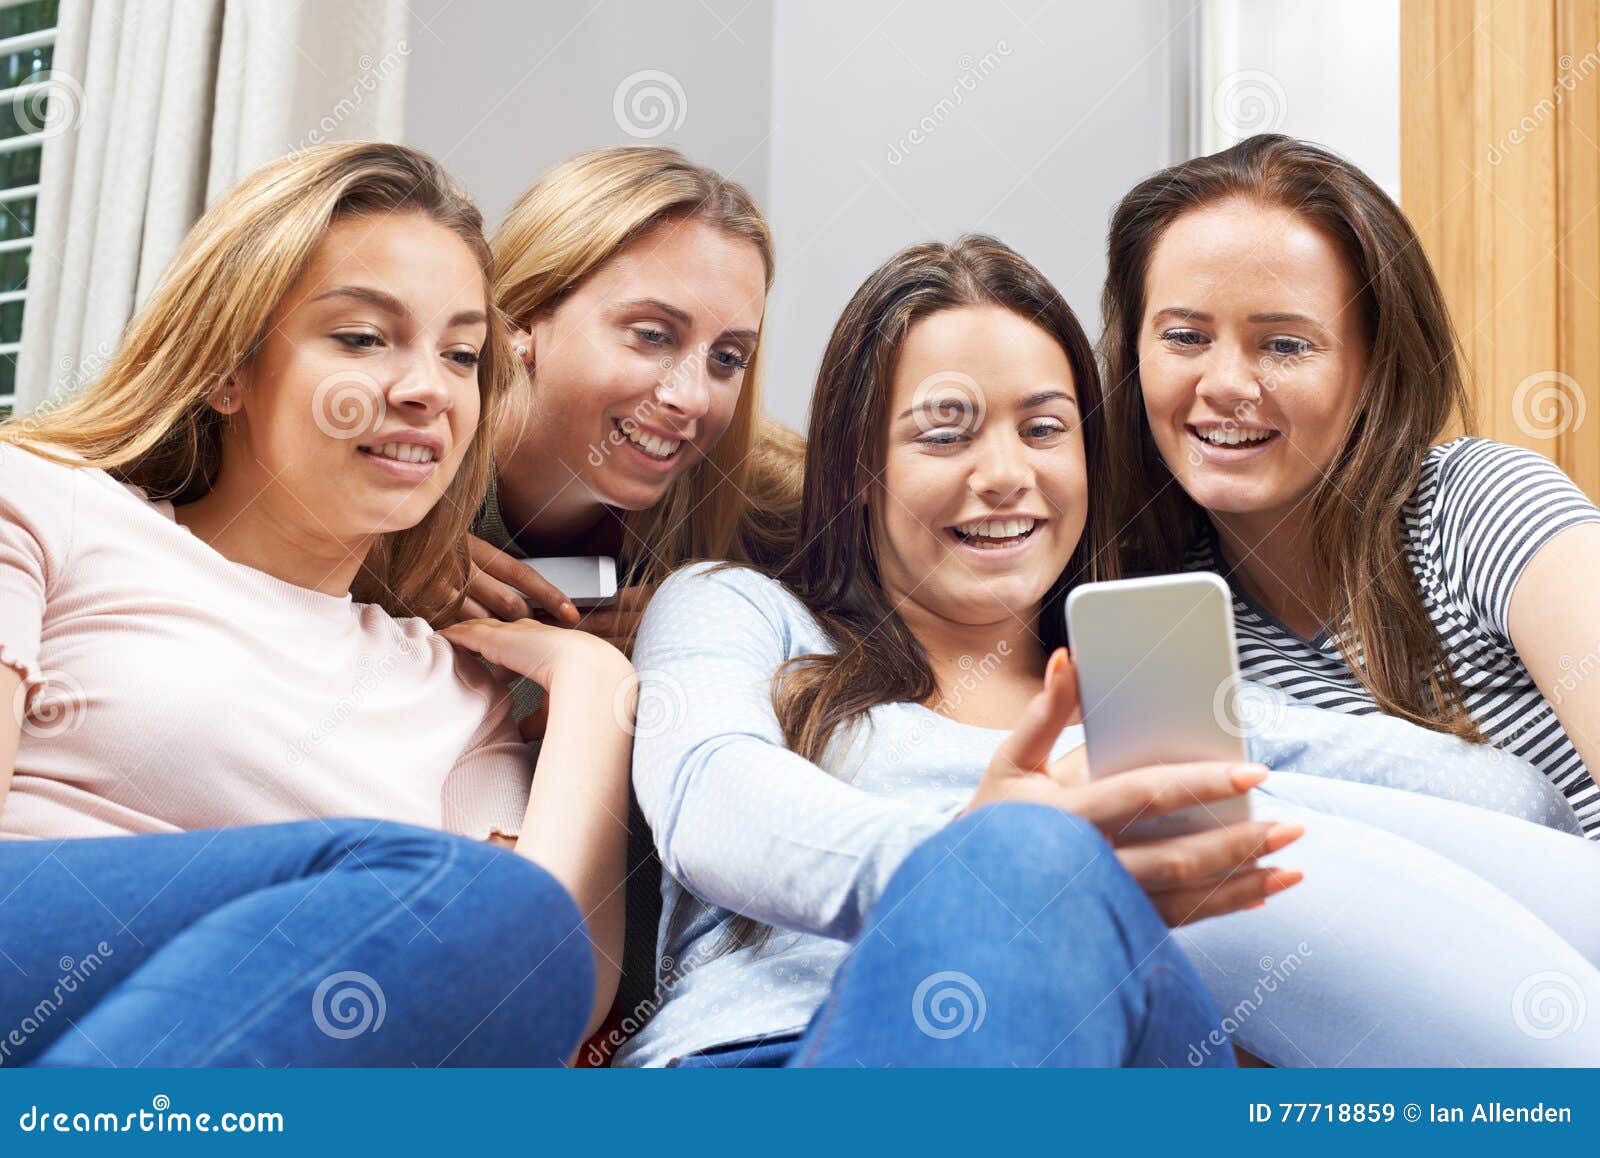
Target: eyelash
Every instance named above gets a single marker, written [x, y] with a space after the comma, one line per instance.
[360, 341]
[940, 439]
[728, 359]
[1189, 339]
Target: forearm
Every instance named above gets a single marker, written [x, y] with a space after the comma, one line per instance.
[576, 822]
[751, 827]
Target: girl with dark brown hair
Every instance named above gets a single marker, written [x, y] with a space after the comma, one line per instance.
[1281, 369]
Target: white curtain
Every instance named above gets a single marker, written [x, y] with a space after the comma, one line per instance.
[171, 102]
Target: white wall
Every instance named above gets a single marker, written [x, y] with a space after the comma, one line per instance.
[1329, 73]
[1064, 107]
[865, 125]
[501, 90]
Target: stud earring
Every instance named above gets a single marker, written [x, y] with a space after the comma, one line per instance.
[227, 399]
[522, 351]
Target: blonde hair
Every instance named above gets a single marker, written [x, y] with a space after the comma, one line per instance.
[569, 224]
[146, 420]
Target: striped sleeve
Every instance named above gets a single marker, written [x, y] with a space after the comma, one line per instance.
[1494, 507]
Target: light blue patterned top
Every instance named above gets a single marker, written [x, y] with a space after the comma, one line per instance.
[744, 826]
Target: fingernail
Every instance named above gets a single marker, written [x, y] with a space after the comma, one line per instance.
[1283, 879]
[1257, 905]
[1058, 660]
[1249, 775]
[1282, 835]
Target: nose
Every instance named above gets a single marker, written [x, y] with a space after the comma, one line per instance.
[685, 389]
[423, 388]
[1229, 378]
[1002, 468]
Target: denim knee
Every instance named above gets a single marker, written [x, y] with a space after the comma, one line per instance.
[1032, 848]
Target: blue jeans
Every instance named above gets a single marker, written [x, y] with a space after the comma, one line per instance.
[1012, 937]
[316, 943]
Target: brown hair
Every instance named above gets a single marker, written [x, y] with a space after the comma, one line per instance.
[571, 222]
[1413, 388]
[834, 570]
[147, 419]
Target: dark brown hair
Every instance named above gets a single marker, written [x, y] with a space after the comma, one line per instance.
[1412, 389]
[834, 569]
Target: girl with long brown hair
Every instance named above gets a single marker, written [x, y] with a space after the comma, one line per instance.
[825, 741]
[243, 773]
[1281, 369]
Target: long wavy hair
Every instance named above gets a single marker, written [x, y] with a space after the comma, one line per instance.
[1413, 389]
[834, 569]
[146, 419]
[876, 658]
[566, 226]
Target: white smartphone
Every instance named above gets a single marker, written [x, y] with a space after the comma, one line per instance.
[1158, 673]
[587, 580]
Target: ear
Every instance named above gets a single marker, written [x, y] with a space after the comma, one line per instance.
[228, 398]
[522, 344]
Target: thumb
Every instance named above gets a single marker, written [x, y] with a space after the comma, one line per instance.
[1028, 747]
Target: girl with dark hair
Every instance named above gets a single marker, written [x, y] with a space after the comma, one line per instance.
[1277, 346]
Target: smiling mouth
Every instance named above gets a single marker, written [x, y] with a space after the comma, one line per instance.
[401, 452]
[995, 534]
[1232, 435]
[658, 448]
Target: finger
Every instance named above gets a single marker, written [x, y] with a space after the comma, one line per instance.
[515, 573]
[1205, 857]
[505, 601]
[472, 609]
[1244, 891]
[1116, 802]
[1030, 743]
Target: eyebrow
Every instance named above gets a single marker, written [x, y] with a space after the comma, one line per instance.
[1038, 398]
[678, 315]
[390, 304]
[1184, 314]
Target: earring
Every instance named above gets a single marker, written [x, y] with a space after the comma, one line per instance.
[227, 399]
[522, 351]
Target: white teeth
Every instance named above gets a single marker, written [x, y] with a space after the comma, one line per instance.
[403, 452]
[995, 528]
[653, 446]
[1232, 436]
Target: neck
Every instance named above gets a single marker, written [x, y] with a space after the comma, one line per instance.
[1270, 556]
[539, 504]
[947, 643]
[252, 530]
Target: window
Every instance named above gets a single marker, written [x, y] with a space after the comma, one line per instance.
[27, 47]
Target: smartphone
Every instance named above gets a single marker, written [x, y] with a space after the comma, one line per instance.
[1158, 673]
[587, 580]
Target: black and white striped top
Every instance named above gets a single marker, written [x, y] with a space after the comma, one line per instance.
[1481, 511]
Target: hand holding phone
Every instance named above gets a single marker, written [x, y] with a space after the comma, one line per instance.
[1187, 877]
[1160, 677]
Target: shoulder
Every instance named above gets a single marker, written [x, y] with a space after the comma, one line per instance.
[1481, 470]
[718, 600]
